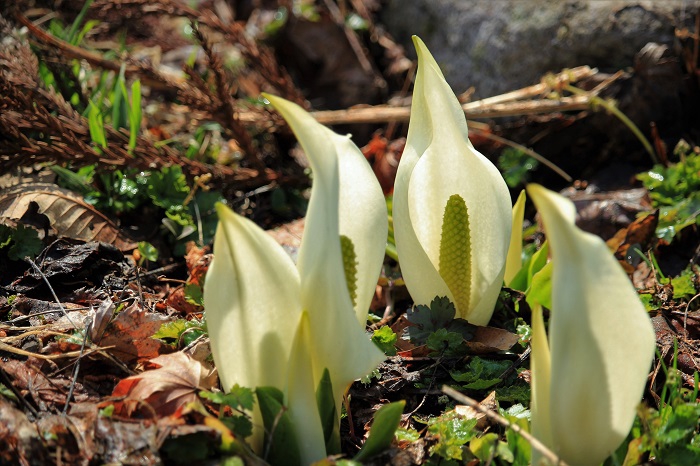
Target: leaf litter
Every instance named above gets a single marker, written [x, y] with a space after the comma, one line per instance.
[145, 391]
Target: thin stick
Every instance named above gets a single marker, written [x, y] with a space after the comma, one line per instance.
[76, 369]
[534, 442]
[46, 280]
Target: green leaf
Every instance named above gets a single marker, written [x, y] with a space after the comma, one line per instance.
[181, 329]
[238, 398]
[96, 126]
[519, 447]
[134, 115]
[120, 105]
[148, 252]
[540, 290]
[240, 425]
[451, 432]
[385, 338]
[515, 165]
[483, 447]
[649, 301]
[328, 413]
[523, 279]
[683, 285]
[445, 341]
[22, 241]
[381, 434]
[440, 315]
[194, 294]
[407, 435]
[168, 189]
[280, 435]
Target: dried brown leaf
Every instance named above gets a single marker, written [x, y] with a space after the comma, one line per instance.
[66, 213]
[167, 388]
[129, 336]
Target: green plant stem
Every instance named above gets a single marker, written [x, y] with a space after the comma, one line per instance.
[612, 108]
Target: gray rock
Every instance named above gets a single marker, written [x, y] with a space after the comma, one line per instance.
[499, 45]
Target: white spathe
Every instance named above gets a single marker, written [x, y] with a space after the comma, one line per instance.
[588, 379]
[268, 317]
[438, 162]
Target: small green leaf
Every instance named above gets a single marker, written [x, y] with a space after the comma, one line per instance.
[451, 432]
[407, 435]
[523, 279]
[649, 301]
[381, 434]
[683, 285]
[540, 291]
[385, 338]
[482, 447]
[96, 126]
[240, 425]
[148, 252]
[239, 398]
[440, 315]
[194, 294]
[21, 241]
[134, 115]
[181, 329]
[443, 340]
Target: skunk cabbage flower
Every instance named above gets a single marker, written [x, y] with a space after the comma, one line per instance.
[588, 379]
[273, 323]
[452, 209]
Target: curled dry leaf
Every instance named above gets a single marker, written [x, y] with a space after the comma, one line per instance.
[167, 388]
[45, 206]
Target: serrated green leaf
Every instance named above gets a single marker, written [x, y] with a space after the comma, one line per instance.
[451, 432]
[443, 340]
[381, 434]
[240, 425]
[22, 241]
[440, 315]
[683, 285]
[172, 332]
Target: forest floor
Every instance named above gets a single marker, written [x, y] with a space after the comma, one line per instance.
[123, 123]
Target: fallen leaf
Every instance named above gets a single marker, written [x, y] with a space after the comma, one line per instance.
[27, 378]
[470, 413]
[491, 340]
[69, 264]
[129, 335]
[45, 205]
[166, 389]
[20, 442]
[639, 235]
